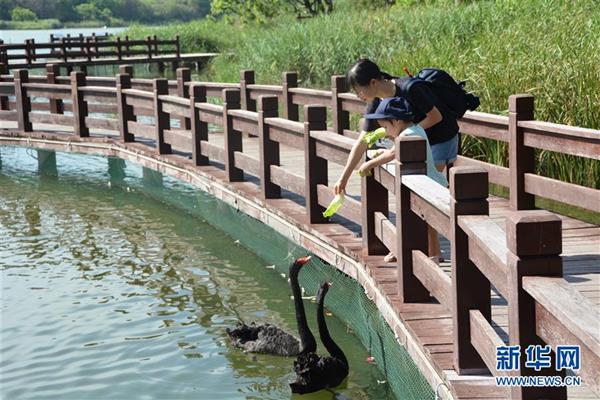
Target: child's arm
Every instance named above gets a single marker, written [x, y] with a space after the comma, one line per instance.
[385, 157]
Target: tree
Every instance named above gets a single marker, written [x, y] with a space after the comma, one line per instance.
[22, 14]
[262, 10]
[90, 12]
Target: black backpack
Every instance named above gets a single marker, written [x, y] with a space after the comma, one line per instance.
[450, 92]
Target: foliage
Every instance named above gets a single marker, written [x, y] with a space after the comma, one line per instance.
[262, 11]
[22, 14]
[548, 48]
[109, 11]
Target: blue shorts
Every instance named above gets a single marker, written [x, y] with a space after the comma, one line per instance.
[446, 152]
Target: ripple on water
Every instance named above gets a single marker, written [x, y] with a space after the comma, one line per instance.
[108, 293]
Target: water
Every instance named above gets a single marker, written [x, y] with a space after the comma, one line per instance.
[107, 292]
[43, 35]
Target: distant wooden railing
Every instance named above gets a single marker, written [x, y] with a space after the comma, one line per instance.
[522, 261]
[31, 54]
[79, 38]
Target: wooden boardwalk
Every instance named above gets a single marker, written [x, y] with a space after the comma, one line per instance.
[429, 323]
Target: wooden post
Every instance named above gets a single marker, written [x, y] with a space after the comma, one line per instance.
[373, 197]
[247, 78]
[80, 110]
[315, 167]
[233, 138]
[56, 105]
[161, 118]
[119, 51]
[177, 47]
[411, 230]
[28, 51]
[268, 149]
[126, 69]
[88, 48]
[32, 50]
[63, 49]
[22, 100]
[290, 110]
[124, 111]
[521, 157]
[3, 71]
[149, 45]
[127, 51]
[3, 59]
[199, 128]
[470, 287]
[155, 40]
[341, 118]
[184, 75]
[534, 242]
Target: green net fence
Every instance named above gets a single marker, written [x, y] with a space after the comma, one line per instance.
[348, 301]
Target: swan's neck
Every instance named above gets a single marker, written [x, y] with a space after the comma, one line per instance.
[309, 344]
[328, 342]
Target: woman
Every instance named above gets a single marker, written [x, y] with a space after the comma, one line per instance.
[371, 84]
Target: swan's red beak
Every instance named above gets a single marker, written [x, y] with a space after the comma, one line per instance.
[303, 260]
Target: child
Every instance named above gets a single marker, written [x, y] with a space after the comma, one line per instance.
[396, 116]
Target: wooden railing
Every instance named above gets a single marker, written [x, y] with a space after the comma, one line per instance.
[522, 261]
[31, 54]
[79, 38]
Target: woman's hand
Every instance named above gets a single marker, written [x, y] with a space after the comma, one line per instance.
[340, 186]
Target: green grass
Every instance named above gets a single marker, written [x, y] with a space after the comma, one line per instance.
[548, 48]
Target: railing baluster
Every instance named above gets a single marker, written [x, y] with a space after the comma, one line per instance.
[315, 170]
[161, 119]
[124, 111]
[3, 71]
[534, 242]
[149, 46]
[470, 287]
[268, 149]
[232, 138]
[521, 157]
[247, 78]
[56, 105]
[184, 76]
[411, 231]
[373, 198]
[126, 69]
[80, 109]
[290, 110]
[199, 128]
[341, 118]
[119, 51]
[22, 100]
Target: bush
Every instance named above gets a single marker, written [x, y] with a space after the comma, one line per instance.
[19, 14]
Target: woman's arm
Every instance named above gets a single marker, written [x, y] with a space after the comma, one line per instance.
[356, 155]
[433, 117]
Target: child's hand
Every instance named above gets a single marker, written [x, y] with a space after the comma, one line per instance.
[365, 169]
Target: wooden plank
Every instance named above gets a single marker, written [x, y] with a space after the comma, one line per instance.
[247, 163]
[287, 180]
[433, 278]
[565, 192]
[487, 248]
[570, 308]
[102, 123]
[142, 130]
[179, 139]
[8, 115]
[53, 119]
[435, 217]
[497, 174]
[385, 231]
[213, 152]
[485, 340]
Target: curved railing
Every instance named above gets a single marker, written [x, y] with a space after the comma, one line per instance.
[521, 261]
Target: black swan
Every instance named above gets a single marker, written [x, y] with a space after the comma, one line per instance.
[314, 372]
[269, 339]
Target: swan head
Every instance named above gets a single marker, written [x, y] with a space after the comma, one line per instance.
[298, 263]
[323, 289]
